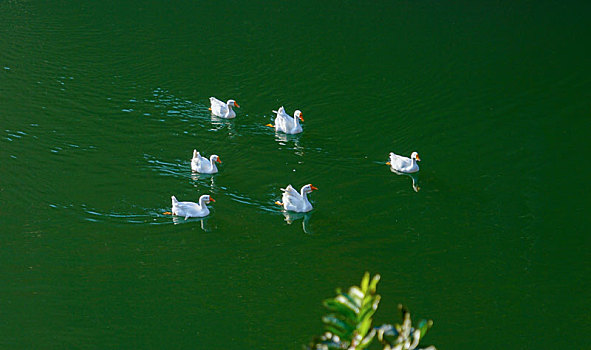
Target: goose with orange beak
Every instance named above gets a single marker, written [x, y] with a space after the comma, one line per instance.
[191, 209]
[294, 201]
[287, 124]
[404, 164]
[203, 165]
[221, 109]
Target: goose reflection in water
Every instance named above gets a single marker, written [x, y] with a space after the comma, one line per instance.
[291, 216]
[283, 140]
[413, 176]
[204, 177]
[203, 222]
[219, 124]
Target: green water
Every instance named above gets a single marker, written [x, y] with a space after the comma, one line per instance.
[102, 103]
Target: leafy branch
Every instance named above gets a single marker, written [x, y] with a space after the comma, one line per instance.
[349, 322]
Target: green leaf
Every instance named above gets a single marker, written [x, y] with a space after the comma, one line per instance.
[336, 331]
[368, 300]
[365, 283]
[369, 309]
[343, 309]
[364, 326]
[332, 320]
[424, 326]
[366, 341]
[374, 283]
[343, 299]
[357, 295]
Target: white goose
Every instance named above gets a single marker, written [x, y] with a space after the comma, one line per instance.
[294, 201]
[404, 164]
[203, 165]
[191, 209]
[287, 124]
[221, 109]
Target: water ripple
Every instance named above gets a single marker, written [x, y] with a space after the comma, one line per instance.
[177, 168]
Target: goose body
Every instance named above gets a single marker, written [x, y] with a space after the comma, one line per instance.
[294, 201]
[191, 209]
[203, 165]
[286, 123]
[404, 164]
[221, 109]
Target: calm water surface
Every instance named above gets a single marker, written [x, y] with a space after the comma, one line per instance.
[102, 104]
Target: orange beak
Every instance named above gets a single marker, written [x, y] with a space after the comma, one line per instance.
[236, 104]
[388, 163]
[211, 199]
[313, 188]
[418, 159]
[301, 118]
[219, 160]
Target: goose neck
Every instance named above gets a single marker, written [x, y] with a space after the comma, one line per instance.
[212, 163]
[229, 110]
[304, 195]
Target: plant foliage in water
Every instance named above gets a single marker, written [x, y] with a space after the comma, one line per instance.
[349, 322]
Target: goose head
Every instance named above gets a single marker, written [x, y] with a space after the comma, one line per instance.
[233, 103]
[415, 156]
[205, 199]
[308, 188]
[298, 114]
[215, 158]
